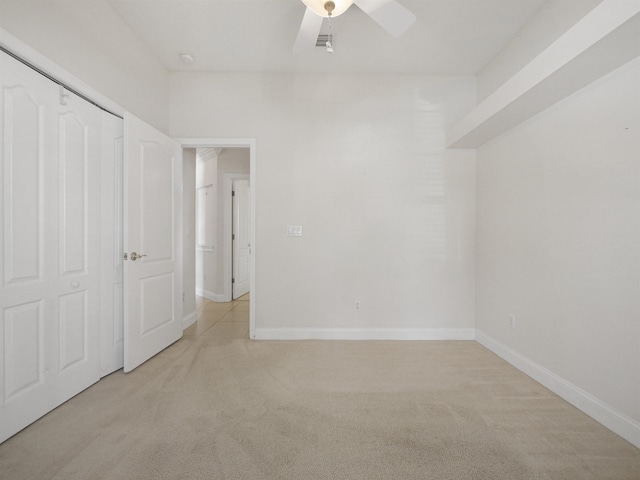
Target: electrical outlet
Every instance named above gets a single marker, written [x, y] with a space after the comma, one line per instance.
[294, 231]
[512, 321]
[358, 306]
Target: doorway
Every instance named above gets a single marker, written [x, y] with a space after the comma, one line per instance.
[218, 238]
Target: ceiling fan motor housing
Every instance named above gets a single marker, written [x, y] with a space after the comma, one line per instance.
[329, 6]
[389, 14]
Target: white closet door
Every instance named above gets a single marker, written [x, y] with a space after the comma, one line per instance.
[78, 281]
[112, 331]
[49, 205]
[153, 242]
[29, 270]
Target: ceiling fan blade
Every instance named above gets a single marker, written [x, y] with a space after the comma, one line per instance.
[309, 30]
[389, 14]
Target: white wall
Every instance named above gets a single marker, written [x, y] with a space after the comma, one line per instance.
[558, 243]
[91, 41]
[207, 179]
[189, 235]
[359, 162]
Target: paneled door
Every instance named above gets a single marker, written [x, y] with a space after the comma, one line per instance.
[152, 242]
[111, 253]
[240, 240]
[78, 283]
[49, 241]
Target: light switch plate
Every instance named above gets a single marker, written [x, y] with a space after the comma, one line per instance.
[294, 231]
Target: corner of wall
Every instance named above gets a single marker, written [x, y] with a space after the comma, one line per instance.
[615, 421]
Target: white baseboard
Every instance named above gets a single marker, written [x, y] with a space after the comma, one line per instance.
[364, 334]
[626, 427]
[214, 297]
[189, 320]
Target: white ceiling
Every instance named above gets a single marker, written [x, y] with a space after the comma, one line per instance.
[449, 36]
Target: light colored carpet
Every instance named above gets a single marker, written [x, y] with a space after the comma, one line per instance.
[218, 406]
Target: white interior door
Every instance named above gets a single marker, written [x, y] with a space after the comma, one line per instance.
[29, 270]
[111, 260]
[152, 242]
[241, 238]
[50, 214]
[78, 291]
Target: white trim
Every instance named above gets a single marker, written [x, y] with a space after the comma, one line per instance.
[626, 427]
[214, 297]
[189, 320]
[242, 143]
[364, 333]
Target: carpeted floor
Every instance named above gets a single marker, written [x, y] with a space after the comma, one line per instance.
[217, 406]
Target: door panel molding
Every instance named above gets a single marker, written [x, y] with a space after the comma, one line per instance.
[23, 207]
[74, 194]
[73, 327]
[23, 325]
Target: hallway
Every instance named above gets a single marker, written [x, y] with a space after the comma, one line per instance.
[226, 321]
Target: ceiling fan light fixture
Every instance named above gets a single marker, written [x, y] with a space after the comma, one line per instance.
[328, 8]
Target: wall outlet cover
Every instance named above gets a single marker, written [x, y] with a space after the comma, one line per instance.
[294, 231]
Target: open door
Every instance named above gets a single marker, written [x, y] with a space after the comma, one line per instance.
[240, 238]
[152, 242]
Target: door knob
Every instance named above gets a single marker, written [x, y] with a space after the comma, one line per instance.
[134, 256]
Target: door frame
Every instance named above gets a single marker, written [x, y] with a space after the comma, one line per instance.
[250, 143]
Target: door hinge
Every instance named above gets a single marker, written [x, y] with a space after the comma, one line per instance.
[233, 236]
[233, 193]
[233, 280]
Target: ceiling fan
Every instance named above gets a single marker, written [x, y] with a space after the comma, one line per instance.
[389, 14]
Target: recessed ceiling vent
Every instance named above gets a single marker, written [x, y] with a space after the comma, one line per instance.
[323, 39]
